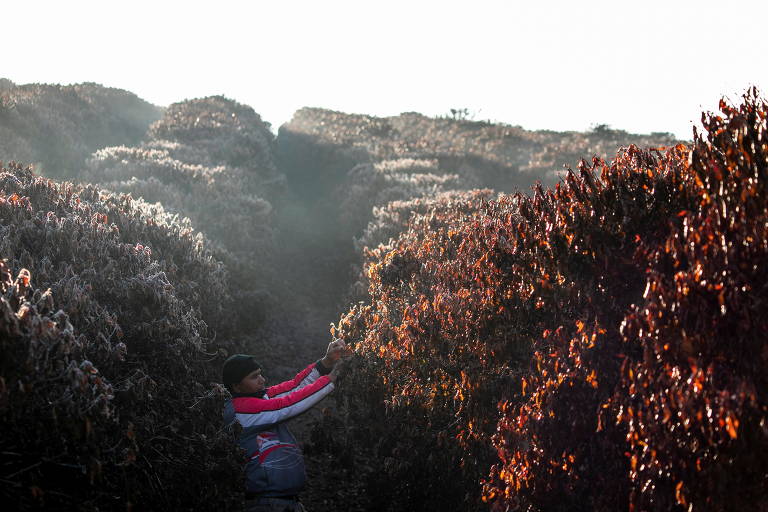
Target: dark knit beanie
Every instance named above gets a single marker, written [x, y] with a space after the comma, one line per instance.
[236, 367]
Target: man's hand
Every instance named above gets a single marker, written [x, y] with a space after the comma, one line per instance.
[336, 349]
[337, 368]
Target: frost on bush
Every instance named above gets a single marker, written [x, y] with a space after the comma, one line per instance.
[319, 146]
[210, 160]
[595, 346]
[214, 198]
[57, 127]
[221, 131]
[54, 403]
[374, 185]
[391, 219]
[119, 368]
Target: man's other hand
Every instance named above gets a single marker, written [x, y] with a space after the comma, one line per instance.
[337, 368]
[336, 349]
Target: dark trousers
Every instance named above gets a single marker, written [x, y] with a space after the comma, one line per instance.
[273, 505]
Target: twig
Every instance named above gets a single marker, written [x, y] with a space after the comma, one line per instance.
[15, 484]
[33, 466]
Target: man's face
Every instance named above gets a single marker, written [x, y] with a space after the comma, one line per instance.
[252, 383]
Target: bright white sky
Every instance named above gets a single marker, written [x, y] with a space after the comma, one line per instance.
[642, 66]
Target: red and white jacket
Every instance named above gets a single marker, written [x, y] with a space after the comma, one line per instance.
[275, 465]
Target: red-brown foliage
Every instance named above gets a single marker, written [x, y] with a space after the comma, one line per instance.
[558, 450]
[675, 417]
[611, 325]
[427, 342]
[695, 402]
[368, 186]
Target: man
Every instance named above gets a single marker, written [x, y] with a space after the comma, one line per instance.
[275, 468]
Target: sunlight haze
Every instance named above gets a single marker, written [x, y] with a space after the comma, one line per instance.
[641, 67]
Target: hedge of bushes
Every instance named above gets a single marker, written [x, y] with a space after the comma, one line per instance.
[342, 166]
[594, 346]
[224, 131]
[109, 309]
[694, 402]
[215, 199]
[319, 146]
[391, 219]
[211, 160]
[57, 127]
[374, 185]
[676, 404]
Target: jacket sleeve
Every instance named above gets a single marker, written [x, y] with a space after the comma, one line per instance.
[252, 412]
[305, 377]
